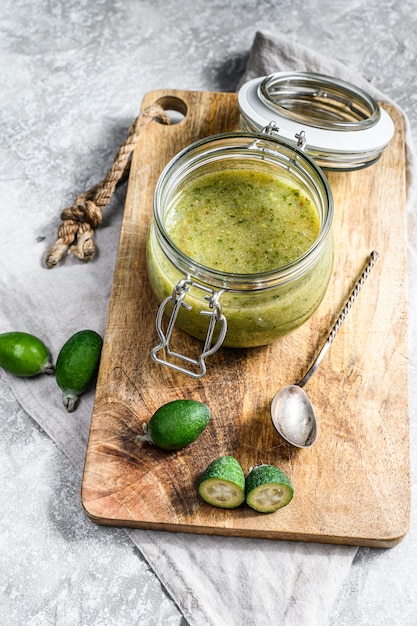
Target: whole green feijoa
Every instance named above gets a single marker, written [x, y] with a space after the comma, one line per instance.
[77, 365]
[176, 424]
[23, 354]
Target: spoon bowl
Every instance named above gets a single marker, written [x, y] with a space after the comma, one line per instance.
[293, 416]
[292, 413]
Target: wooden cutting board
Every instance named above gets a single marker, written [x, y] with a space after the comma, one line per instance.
[353, 485]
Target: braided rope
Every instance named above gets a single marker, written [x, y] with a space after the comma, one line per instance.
[79, 222]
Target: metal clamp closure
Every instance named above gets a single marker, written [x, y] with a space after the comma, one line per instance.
[216, 318]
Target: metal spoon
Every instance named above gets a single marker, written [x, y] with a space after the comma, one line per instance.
[291, 411]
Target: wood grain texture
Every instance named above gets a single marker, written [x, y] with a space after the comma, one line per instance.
[353, 485]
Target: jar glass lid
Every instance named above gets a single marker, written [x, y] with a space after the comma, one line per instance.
[343, 126]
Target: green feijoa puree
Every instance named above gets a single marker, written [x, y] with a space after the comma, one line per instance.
[242, 221]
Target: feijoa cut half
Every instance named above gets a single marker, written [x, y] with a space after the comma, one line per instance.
[268, 488]
[223, 483]
[176, 424]
[23, 354]
[77, 366]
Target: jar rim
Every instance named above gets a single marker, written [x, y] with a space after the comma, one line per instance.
[300, 101]
[319, 100]
[226, 142]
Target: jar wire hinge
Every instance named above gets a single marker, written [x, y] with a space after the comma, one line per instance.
[300, 137]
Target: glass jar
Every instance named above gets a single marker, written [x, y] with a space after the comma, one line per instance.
[233, 309]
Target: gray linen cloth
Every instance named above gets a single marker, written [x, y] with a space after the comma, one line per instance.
[213, 580]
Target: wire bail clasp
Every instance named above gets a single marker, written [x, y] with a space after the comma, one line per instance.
[216, 319]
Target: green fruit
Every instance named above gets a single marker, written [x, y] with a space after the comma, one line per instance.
[176, 424]
[268, 488]
[77, 365]
[223, 483]
[23, 354]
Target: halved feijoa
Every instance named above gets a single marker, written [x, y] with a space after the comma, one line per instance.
[223, 483]
[268, 488]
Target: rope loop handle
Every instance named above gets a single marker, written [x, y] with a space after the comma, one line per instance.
[79, 222]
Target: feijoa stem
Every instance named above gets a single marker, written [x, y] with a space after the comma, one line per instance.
[48, 368]
[146, 436]
[70, 401]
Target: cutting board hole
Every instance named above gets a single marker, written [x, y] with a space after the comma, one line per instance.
[174, 107]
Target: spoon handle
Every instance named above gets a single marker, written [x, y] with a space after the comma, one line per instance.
[372, 260]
